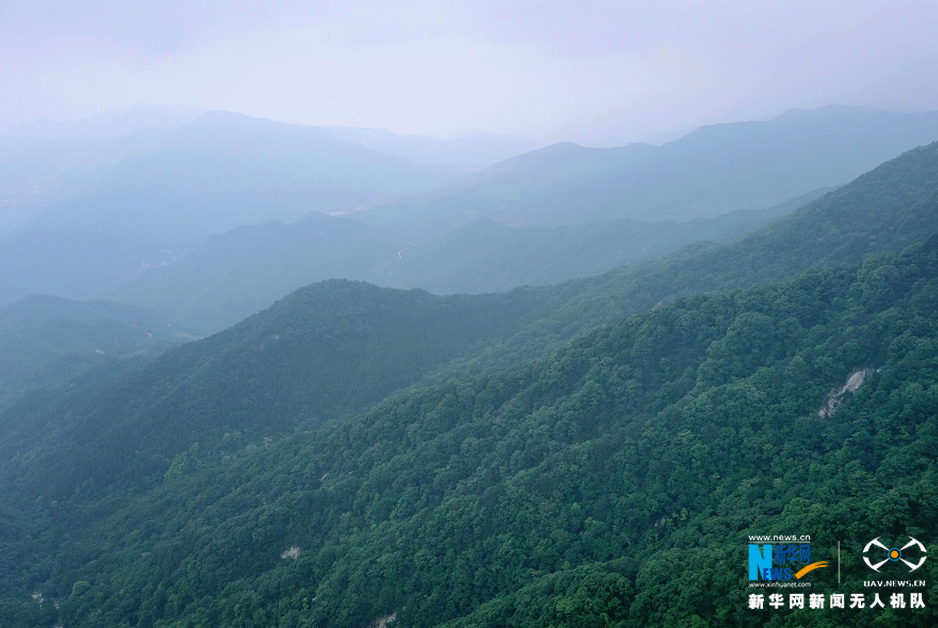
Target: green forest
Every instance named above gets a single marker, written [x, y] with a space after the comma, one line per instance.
[595, 453]
[597, 485]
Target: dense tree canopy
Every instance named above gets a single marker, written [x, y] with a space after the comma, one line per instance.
[288, 472]
[611, 483]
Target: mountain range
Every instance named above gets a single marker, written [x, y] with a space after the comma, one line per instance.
[48, 341]
[561, 454]
[309, 340]
[168, 190]
[597, 450]
[83, 216]
[486, 256]
[710, 171]
[235, 274]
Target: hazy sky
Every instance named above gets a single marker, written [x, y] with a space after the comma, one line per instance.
[596, 72]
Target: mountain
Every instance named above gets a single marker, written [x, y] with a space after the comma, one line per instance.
[485, 256]
[322, 352]
[113, 123]
[710, 171]
[38, 173]
[74, 263]
[147, 199]
[886, 209]
[236, 274]
[618, 473]
[227, 169]
[233, 275]
[47, 341]
[589, 487]
[358, 342]
[472, 152]
[159, 199]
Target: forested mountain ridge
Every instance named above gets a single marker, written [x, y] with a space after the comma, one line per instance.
[326, 350]
[46, 341]
[613, 482]
[260, 378]
[100, 213]
[152, 196]
[235, 274]
[885, 209]
[485, 256]
[710, 171]
[151, 497]
[238, 273]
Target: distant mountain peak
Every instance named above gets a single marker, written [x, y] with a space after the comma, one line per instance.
[113, 123]
[834, 109]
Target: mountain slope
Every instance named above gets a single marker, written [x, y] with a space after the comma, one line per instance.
[240, 272]
[46, 341]
[541, 319]
[228, 169]
[598, 480]
[708, 172]
[322, 352]
[157, 200]
[484, 331]
[484, 256]
[38, 173]
[160, 477]
[882, 210]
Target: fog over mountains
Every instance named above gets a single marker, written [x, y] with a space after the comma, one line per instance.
[472, 152]
[83, 216]
[165, 191]
[469, 314]
[240, 272]
[524, 458]
[708, 172]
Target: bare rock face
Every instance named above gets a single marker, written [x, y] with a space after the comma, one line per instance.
[293, 552]
[383, 621]
[835, 397]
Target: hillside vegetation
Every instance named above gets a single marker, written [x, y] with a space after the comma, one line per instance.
[335, 347]
[885, 209]
[235, 274]
[594, 453]
[612, 483]
[322, 352]
[238, 273]
[708, 172]
[485, 256]
[47, 341]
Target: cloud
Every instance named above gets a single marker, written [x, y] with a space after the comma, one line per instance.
[602, 72]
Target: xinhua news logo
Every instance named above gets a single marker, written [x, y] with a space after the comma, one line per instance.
[773, 562]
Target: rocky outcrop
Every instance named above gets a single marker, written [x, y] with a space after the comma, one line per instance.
[835, 397]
